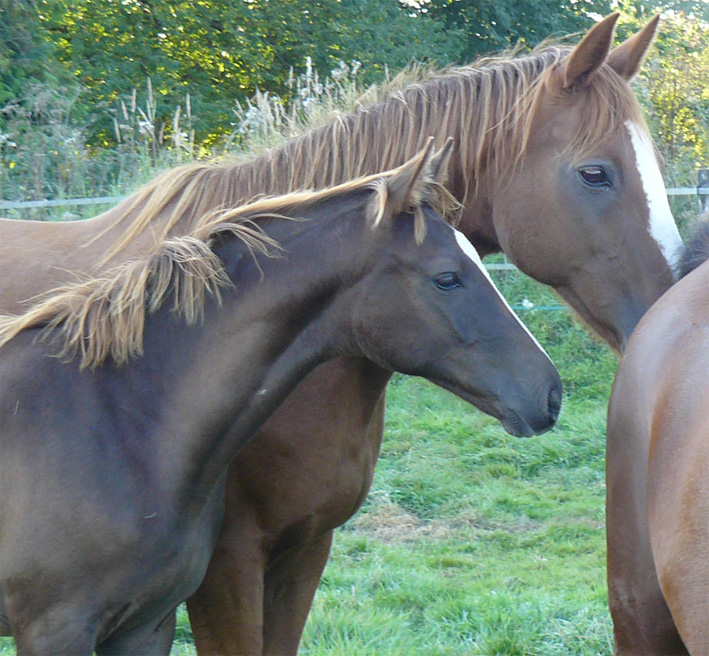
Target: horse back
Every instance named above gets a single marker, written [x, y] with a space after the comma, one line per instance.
[38, 256]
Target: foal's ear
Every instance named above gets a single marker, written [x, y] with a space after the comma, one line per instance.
[627, 58]
[403, 188]
[438, 164]
[589, 55]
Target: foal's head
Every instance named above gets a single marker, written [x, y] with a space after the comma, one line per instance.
[427, 307]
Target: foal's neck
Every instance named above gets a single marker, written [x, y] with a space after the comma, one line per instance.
[230, 374]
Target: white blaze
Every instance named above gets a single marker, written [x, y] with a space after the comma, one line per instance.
[662, 224]
[470, 251]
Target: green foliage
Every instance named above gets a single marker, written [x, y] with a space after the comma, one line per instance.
[678, 91]
[648, 8]
[491, 25]
[44, 150]
[673, 91]
[25, 54]
[219, 52]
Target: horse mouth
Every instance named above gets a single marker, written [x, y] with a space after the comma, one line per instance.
[516, 426]
[511, 421]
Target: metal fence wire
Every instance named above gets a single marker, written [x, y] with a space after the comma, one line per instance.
[701, 191]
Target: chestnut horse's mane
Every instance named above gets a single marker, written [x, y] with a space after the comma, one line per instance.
[104, 316]
[488, 107]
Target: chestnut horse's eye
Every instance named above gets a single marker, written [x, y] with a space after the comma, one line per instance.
[448, 281]
[595, 176]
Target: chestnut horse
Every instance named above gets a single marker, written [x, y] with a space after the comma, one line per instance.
[658, 473]
[553, 166]
[114, 457]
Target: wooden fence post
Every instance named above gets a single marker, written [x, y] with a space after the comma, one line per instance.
[703, 181]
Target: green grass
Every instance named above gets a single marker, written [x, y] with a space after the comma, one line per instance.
[473, 542]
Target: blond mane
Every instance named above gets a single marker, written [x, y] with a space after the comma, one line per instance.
[488, 107]
[104, 317]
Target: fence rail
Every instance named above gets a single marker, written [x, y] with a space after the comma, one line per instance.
[493, 266]
[110, 200]
[60, 202]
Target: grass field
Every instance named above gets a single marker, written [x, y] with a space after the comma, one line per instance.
[473, 541]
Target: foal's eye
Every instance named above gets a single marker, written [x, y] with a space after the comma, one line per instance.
[595, 176]
[448, 281]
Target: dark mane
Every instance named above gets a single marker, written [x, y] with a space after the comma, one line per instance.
[696, 248]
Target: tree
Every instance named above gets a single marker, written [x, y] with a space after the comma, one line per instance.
[493, 25]
[673, 88]
[223, 51]
[26, 55]
[646, 8]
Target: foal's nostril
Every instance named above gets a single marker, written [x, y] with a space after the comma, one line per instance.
[554, 403]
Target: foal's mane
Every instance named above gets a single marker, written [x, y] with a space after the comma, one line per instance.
[104, 317]
[488, 107]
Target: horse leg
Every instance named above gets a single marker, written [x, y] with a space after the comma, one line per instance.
[290, 586]
[642, 623]
[153, 639]
[226, 612]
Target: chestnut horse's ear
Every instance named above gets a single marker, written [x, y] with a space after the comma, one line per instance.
[627, 58]
[438, 164]
[589, 55]
[403, 187]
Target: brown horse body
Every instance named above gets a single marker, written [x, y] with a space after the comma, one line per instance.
[548, 168]
[114, 457]
[658, 474]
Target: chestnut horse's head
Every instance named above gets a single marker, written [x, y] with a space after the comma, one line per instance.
[584, 208]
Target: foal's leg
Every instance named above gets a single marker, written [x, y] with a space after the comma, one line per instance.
[154, 639]
[642, 623]
[60, 630]
[226, 612]
[290, 586]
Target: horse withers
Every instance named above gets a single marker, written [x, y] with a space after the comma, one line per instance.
[658, 473]
[113, 456]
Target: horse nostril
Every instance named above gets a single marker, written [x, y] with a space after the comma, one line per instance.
[554, 403]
